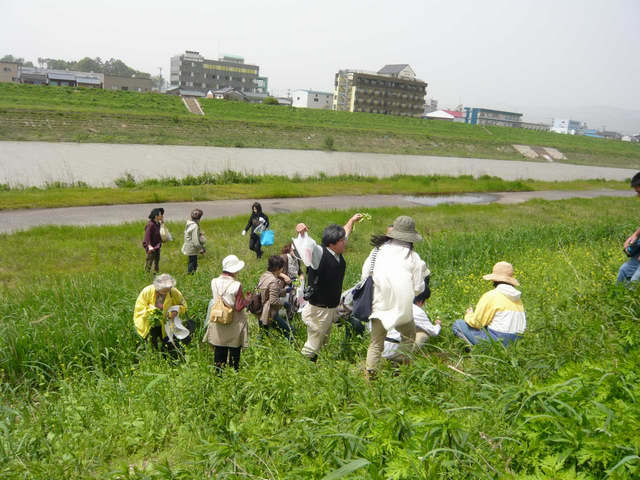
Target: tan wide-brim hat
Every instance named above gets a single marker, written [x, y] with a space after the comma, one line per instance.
[232, 264]
[404, 228]
[502, 272]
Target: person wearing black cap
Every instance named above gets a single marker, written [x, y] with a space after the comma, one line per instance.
[152, 241]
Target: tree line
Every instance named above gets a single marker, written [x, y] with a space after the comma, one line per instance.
[96, 65]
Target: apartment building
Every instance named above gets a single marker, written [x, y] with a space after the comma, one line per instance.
[392, 90]
[194, 72]
[486, 116]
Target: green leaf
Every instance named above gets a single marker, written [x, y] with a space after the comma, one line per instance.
[346, 469]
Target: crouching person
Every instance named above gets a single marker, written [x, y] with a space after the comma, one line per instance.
[424, 328]
[271, 292]
[156, 304]
[499, 313]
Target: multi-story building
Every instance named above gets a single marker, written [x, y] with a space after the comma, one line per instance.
[485, 116]
[192, 71]
[540, 127]
[393, 90]
[312, 99]
[9, 72]
[565, 126]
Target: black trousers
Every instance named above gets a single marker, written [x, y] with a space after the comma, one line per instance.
[193, 264]
[255, 245]
[153, 258]
[227, 356]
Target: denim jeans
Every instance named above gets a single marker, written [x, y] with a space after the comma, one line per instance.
[629, 271]
[474, 335]
[280, 324]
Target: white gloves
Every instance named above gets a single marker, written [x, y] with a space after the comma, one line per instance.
[244, 232]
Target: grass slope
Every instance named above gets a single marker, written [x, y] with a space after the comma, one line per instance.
[29, 112]
[80, 399]
[238, 185]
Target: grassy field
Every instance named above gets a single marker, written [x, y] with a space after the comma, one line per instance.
[79, 397]
[238, 185]
[30, 112]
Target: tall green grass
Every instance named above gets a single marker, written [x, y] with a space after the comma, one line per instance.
[81, 398]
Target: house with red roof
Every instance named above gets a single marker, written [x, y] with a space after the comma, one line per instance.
[447, 115]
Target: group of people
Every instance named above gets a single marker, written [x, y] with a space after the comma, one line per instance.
[397, 322]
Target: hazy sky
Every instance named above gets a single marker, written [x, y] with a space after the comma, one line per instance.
[509, 54]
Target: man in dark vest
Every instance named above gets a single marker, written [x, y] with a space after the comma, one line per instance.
[325, 274]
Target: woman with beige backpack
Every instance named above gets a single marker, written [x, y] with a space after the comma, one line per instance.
[228, 329]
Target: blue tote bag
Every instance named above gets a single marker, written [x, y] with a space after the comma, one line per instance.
[267, 238]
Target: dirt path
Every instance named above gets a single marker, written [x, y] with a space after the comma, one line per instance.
[116, 214]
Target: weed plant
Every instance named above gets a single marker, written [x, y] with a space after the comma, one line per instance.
[82, 397]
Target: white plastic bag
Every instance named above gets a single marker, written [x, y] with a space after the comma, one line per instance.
[174, 327]
[165, 234]
[300, 295]
[304, 247]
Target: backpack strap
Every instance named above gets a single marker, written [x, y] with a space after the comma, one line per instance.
[220, 295]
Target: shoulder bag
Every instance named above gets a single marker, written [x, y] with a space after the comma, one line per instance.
[363, 294]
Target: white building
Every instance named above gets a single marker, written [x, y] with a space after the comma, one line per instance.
[565, 126]
[312, 99]
[448, 115]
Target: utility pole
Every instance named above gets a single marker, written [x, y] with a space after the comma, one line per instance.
[160, 82]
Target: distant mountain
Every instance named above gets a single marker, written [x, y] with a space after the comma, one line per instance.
[599, 117]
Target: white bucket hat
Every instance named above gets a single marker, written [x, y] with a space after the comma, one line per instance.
[232, 264]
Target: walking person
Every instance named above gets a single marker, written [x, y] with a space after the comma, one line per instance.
[499, 313]
[152, 241]
[271, 293]
[325, 274]
[194, 241]
[228, 339]
[630, 270]
[258, 223]
[398, 277]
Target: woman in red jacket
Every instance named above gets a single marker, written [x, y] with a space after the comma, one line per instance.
[152, 241]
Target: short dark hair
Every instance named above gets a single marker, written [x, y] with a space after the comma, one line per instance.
[333, 234]
[635, 181]
[424, 296]
[276, 262]
[196, 214]
[154, 213]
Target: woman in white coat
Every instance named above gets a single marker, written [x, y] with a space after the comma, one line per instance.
[398, 277]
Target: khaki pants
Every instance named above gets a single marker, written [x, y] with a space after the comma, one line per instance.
[378, 334]
[421, 340]
[319, 322]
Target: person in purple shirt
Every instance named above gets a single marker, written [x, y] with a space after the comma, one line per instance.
[152, 241]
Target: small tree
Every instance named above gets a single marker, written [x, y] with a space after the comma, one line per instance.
[270, 101]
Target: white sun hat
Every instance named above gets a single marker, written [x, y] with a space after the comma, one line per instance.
[232, 264]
